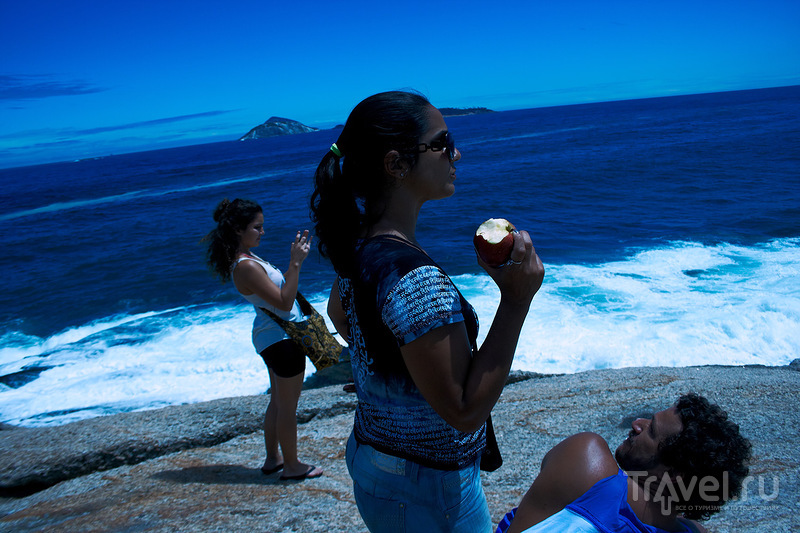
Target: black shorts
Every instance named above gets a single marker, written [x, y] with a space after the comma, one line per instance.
[285, 358]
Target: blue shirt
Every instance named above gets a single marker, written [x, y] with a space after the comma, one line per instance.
[399, 295]
[604, 508]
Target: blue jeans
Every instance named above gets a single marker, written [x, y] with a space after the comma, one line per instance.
[398, 495]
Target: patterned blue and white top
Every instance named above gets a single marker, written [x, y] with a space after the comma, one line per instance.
[400, 295]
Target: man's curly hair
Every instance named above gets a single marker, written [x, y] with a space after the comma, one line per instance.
[709, 446]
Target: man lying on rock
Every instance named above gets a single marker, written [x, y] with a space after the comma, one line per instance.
[682, 464]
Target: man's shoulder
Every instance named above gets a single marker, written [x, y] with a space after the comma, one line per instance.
[585, 443]
[584, 456]
[569, 469]
[587, 439]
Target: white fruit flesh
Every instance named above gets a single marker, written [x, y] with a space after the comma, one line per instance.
[494, 230]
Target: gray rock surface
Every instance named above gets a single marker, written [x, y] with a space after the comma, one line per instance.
[196, 467]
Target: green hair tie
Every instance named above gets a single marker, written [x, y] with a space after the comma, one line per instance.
[335, 150]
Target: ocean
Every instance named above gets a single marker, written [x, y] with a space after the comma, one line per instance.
[669, 229]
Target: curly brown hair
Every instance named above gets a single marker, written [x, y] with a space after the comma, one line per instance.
[710, 447]
[223, 241]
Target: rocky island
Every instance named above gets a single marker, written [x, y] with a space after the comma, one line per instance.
[276, 126]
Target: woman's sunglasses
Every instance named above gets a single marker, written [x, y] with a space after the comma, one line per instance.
[444, 142]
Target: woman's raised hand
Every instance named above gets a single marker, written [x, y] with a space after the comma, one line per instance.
[520, 278]
[300, 247]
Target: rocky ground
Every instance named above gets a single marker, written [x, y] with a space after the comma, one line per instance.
[196, 467]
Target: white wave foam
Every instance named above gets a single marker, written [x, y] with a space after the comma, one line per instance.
[183, 356]
[683, 304]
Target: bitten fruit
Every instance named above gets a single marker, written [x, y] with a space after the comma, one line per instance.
[494, 241]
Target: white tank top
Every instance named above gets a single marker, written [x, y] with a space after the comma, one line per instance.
[564, 521]
[265, 331]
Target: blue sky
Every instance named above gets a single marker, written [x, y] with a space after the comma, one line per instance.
[89, 78]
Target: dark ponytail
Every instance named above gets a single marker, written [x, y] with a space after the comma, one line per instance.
[223, 241]
[351, 190]
[336, 213]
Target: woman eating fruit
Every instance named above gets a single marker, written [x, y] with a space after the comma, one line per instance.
[425, 390]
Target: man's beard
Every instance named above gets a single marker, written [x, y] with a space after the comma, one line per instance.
[630, 463]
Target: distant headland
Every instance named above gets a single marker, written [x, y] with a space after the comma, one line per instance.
[276, 126]
[459, 111]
